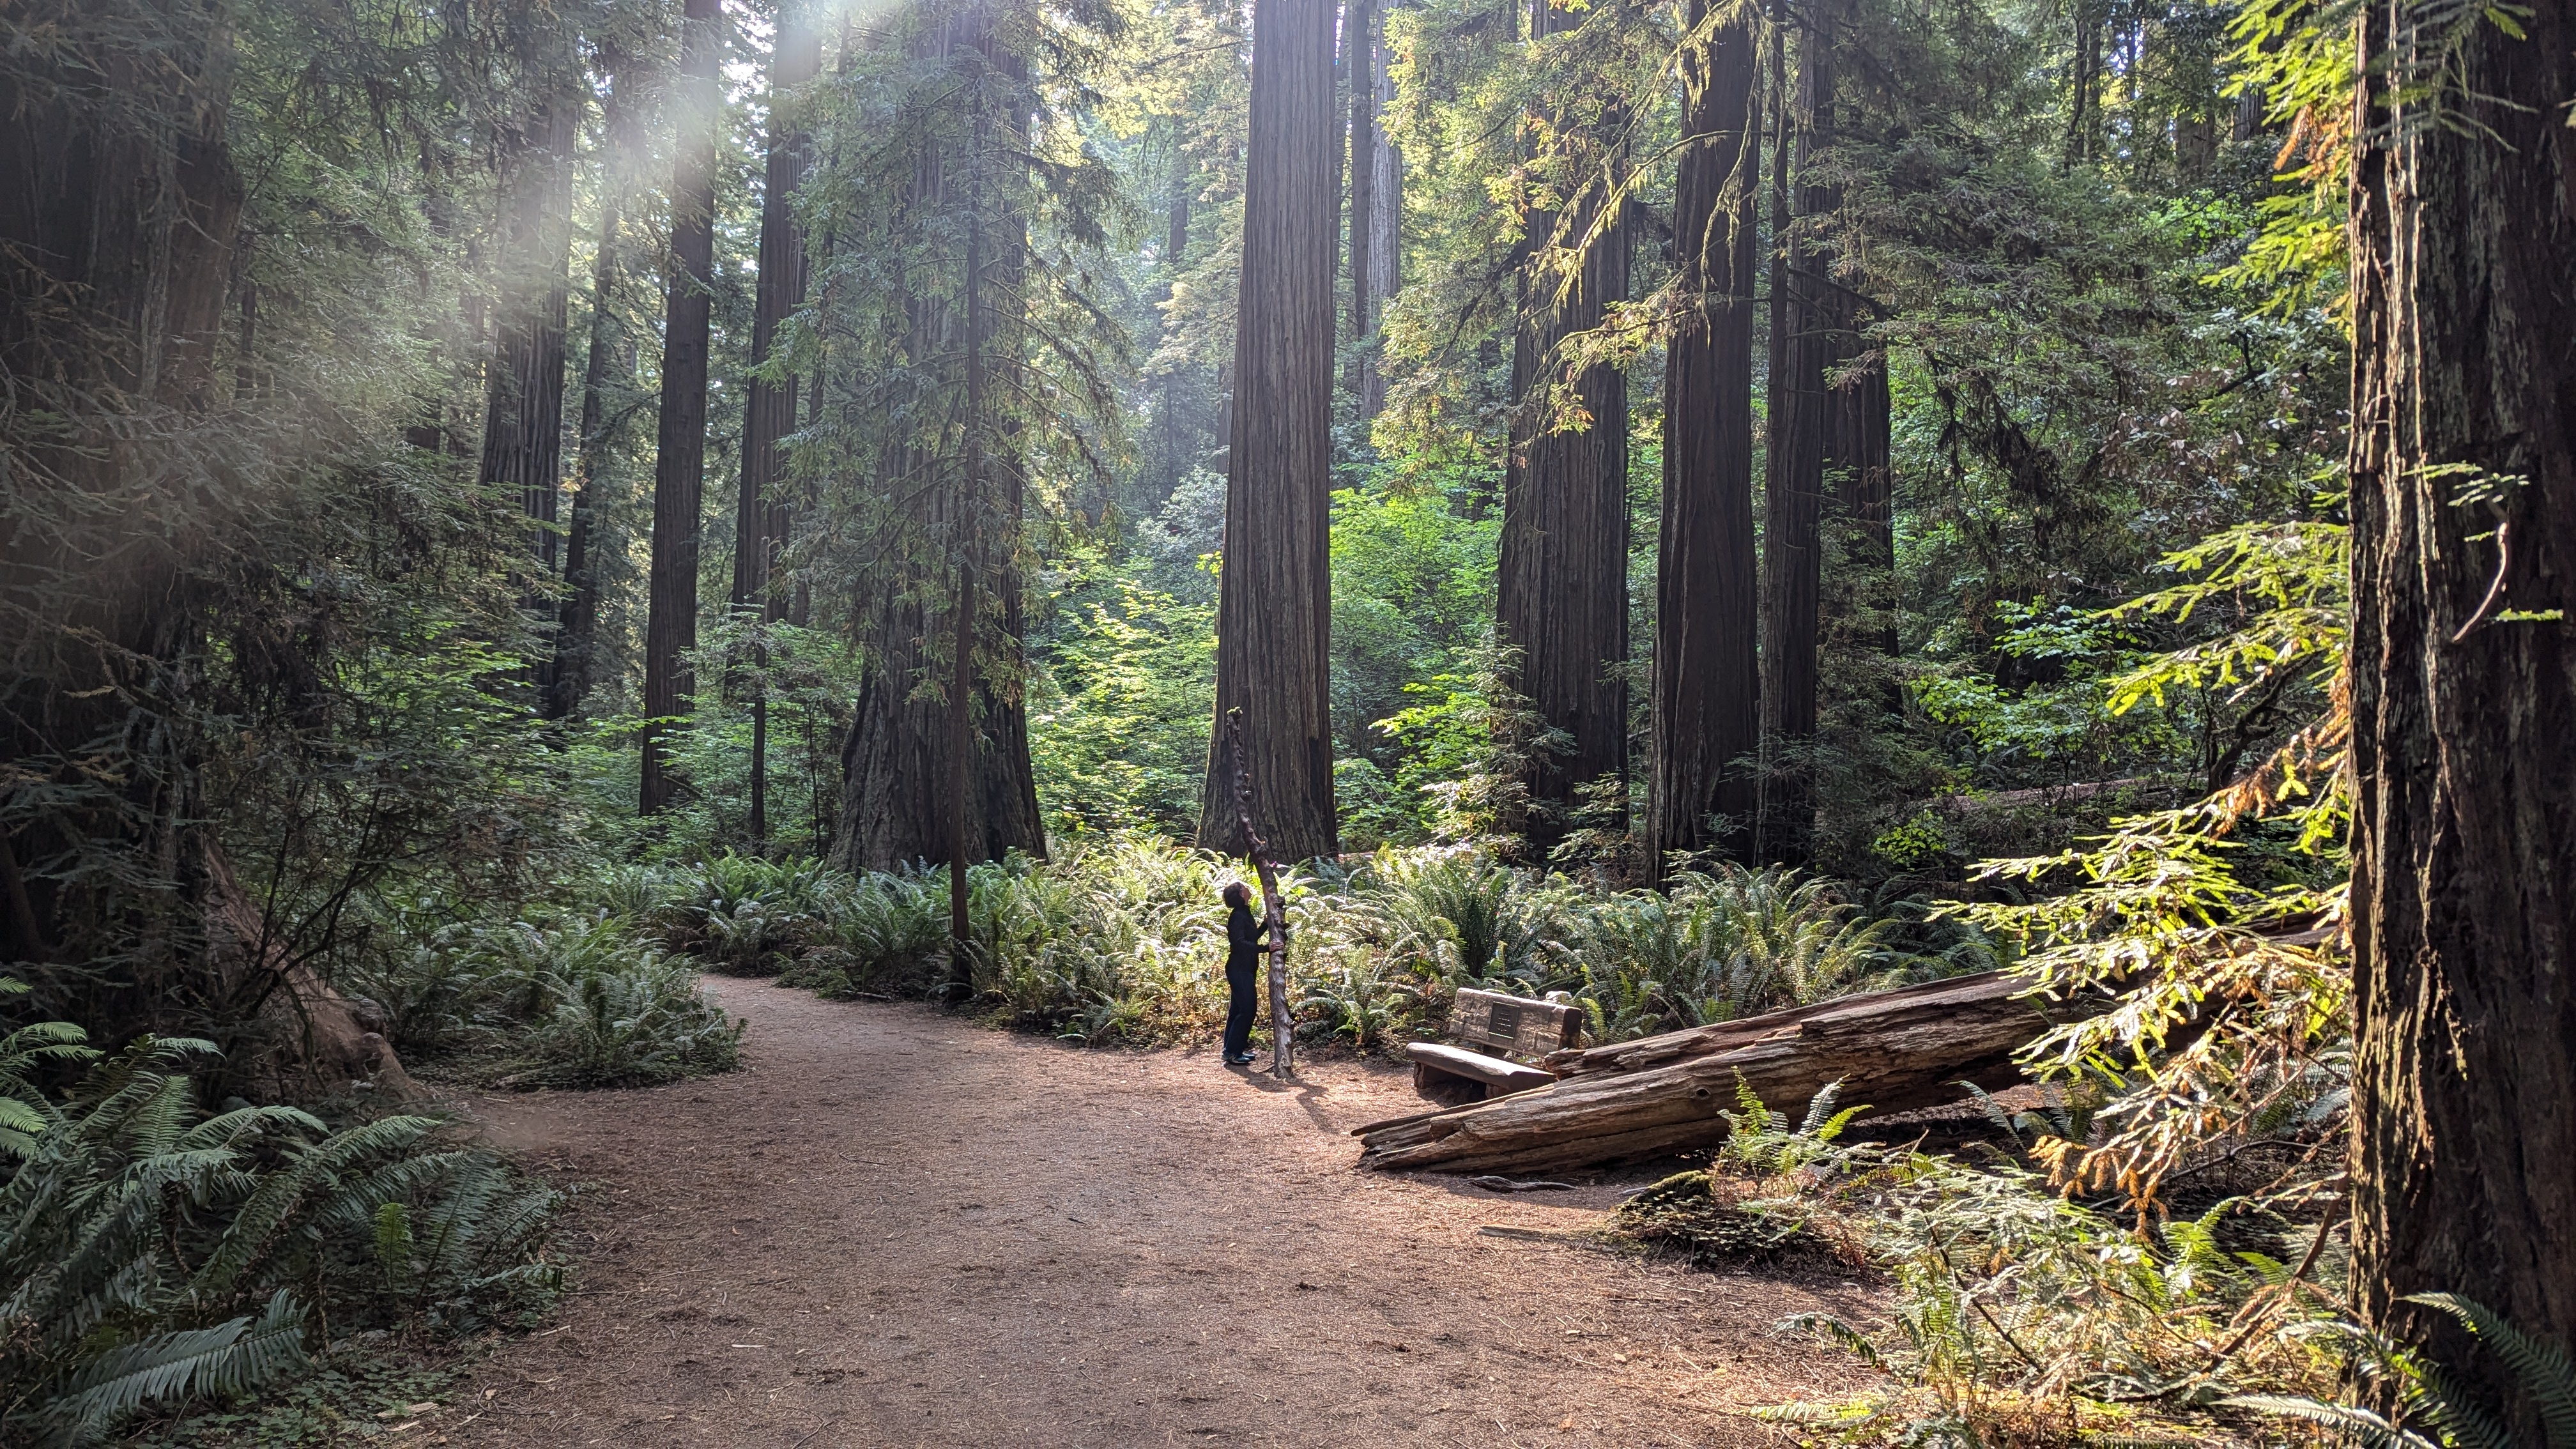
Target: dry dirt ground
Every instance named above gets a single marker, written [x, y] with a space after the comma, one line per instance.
[898, 1228]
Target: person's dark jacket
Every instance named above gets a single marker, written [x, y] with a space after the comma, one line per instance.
[1244, 937]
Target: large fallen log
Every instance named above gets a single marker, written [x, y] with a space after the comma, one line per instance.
[1892, 1050]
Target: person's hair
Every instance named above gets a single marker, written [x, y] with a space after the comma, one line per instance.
[1236, 893]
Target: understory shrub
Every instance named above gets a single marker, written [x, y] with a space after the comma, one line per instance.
[578, 1002]
[152, 1252]
[1121, 939]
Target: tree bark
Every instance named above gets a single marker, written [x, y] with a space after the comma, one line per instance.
[1706, 703]
[119, 212]
[906, 778]
[1274, 604]
[2463, 469]
[1561, 579]
[763, 516]
[1891, 1050]
[577, 631]
[523, 392]
[1362, 43]
[1808, 339]
[679, 468]
[1385, 270]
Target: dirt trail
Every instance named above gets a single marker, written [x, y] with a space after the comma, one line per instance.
[900, 1229]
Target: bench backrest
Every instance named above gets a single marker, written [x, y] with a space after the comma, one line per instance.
[1514, 1023]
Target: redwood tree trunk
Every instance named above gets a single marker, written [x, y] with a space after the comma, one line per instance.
[577, 631]
[1274, 606]
[679, 469]
[1705, 713]
[1561, 582]
[911, 793]
[1385, 219]
[523, 394]
[1362, 44]
[763, 515]
[2463, 472]
[1809, 339]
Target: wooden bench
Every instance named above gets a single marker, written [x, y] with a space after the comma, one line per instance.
[1513, 1024]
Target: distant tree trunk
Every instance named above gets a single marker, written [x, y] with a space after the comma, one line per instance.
[2463, 471]
[577, 632]
[762, 517]
[679, 469]
[2084, 108]
[1385, 220]
[523, 394]
[1561, 581]
[1361, 42]
[1857, 457]
[1706, 704]
[1274, 606]
[1810, 335]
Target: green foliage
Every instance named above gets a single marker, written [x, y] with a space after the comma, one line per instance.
[579, 1002]
[1121, 702]
[151, 1253]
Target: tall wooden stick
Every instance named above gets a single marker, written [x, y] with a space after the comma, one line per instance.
[1283, 1063]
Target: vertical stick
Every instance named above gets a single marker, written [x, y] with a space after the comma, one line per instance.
[1274, 916]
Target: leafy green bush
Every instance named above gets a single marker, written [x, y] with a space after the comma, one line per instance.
[151, 1252]
[1121, 939]
[579, 1003]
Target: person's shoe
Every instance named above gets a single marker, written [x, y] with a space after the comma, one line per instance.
[1243, 1059]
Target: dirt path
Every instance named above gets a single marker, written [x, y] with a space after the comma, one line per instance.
[899, 1229]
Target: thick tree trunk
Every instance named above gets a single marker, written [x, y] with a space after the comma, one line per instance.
[1561, 581]
[907, 781]
[763, 516]
[1274, 606]
[1706, 712]
[1810, 336]
[577, 630]
[2463, 473]
[1891, 1050]
[679, 469]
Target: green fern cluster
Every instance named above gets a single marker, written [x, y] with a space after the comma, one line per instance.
[580, 1002]
[1122, 938]
[147, 1247]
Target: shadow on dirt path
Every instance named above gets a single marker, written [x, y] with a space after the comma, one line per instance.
[900, 1229]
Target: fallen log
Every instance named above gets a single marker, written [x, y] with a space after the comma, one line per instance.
[1699, 1041]
[1892, 1050]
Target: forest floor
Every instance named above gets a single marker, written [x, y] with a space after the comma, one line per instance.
[897, 1228]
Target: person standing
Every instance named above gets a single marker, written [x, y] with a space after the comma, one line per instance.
[1245, 935]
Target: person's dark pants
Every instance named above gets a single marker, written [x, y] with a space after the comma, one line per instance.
[1242, 984]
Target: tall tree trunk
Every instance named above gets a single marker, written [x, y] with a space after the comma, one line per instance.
[907, 785]
[1706, 704]
[1808, 339]
[523, 394]
[577, 629]
[1561, 581]
[1274, 604]
[1385, 220]
[2463, 473]
[1361, 43]
[679, 468]
[1858, 460]
[762, 516]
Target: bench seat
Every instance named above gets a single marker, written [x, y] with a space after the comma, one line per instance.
[1499, 1077]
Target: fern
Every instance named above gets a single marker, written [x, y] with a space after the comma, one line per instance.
[229, 1358]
